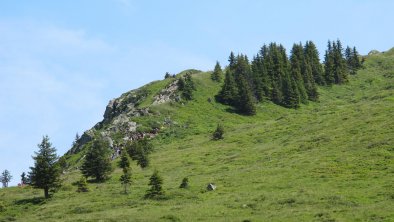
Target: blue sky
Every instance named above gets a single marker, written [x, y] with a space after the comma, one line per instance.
[62, 61]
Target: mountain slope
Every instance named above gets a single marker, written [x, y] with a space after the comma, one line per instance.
[327, 161]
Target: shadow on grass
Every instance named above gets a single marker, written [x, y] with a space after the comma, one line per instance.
[34, 201]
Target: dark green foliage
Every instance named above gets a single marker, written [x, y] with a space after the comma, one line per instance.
[5, 178]
[352, 60]
[185, 183]
[218, 134]
[229, 90]
[156, 189]
[97, 163]
[312, 57]
[245, 103]
[217, 74]
[335, 64]
[186, 86]
[167, 75]
[24, 178]
[309, 82]
[46, 172]
[291, 98]
[297, 73]
[124, 163]
[82, 185]
[139, 151]
[62, 163]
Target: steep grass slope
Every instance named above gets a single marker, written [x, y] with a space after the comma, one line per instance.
[327, 161]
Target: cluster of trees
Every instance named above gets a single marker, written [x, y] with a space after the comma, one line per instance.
[353, 60]
[186, 86]
[285, 80]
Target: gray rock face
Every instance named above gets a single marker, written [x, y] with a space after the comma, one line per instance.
[167, 94]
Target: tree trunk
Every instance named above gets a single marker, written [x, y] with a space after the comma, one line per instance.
[46, 192]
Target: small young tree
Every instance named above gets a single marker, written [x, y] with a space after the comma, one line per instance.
[156, 189]
[218, 134]
[82, 185]
[5, 178]
[24, 180]
[124, 163]
[97, 162]
[167, 75]
[139, 151]
[217, 73]
[185, 183]
[46, 173]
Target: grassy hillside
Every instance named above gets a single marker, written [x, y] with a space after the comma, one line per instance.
[327, 161]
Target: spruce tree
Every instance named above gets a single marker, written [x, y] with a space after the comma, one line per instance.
[217, 73]
[229, 90]
[139, 151]
[231, 60]
[124, 163]
[329, 65]
[296, 71]
[97, 163]
[245, 102]
[291, 98]
[309, 82]
[5, 178]
[82, 185]
[156, 186]
[312, 57]
[340, 68]
[24, 178]
[46, 172]
[185, 183]
[218, 134]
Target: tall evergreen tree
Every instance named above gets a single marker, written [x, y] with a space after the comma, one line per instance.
[245, 101]
[340, 68]
[5, 178]
[309, 82]
[97, 163]
[296, 60]
[229, 90]
[139, 151]
[46, 172]
[156, 189]
[232, 61]
[217, 73]
[312, 57]
[329, 64]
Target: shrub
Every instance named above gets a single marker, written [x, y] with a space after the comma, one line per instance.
[185, 183]
[218, 134]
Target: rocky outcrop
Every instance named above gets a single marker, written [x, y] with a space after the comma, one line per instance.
[167, 94]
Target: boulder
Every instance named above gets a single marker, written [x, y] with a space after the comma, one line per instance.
[211, 187]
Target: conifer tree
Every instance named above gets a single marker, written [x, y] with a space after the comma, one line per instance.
[329, 64]
[97, 163]
[356, 60]
[82, 185]
[185, 183]
[156, 189]
[218, 134]
[187, 87]
[312, 57]
[232, 61]
[291, 98]
[217, 73]
[46, 173]
[24, 178]
[245, 102]
[309, 82]
[340, 69]
[5, 178]
[229, 90]
[124, 163]
[297, 72]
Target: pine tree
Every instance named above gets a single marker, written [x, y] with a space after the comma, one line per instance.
[24, 178]
[82, 185]
[297, 72]
[291, 98]
[156, 189]
[329, 65]
[229, 90]
[186, 86]
[309, 82]
[46, 173]
[139, 151]
[312, 57]
[124, 163]
[340, 69]
[97, 163]
[217, 73]
[185, 183]
[356, 60]
[231, 60]
[5, 178]
[218, 134]
[245, 102]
